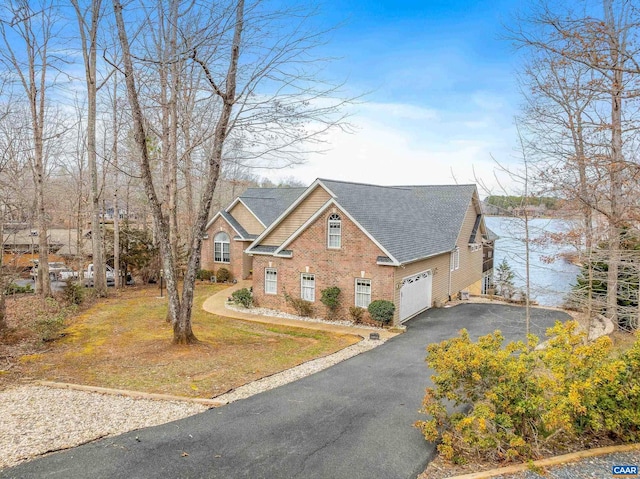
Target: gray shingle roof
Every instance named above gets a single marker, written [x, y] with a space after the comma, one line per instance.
[410, 222]
[237, 226]
[269, 203]
[491, 235]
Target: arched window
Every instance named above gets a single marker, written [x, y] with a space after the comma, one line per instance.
[221, 248]
[334, 229]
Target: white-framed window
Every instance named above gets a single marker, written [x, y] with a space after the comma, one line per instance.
[363, 292]
[270, 281]
[221, 247]
[455, 259]
[308, 287]
[334, 231]
[475, 247]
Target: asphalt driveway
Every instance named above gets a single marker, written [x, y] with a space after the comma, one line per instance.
[352, 421]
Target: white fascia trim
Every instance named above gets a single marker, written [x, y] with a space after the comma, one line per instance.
[211, 221]
[218, 214]
[286, 212]
[239, 200]
[332, 201]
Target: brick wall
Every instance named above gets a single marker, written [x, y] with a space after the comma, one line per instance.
[331, 267]
[236, 248]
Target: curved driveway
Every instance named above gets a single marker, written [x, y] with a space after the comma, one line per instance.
[352, 421]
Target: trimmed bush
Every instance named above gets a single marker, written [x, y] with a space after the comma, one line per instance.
[330, 297]
[382, 310]
[242, 297]
[223, 275]
[356, 313]
[204, 274]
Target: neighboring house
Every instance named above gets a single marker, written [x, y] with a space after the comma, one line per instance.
[233, 230]
[21, 245]
[414, 245]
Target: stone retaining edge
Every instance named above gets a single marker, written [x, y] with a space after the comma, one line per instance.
[132, 394]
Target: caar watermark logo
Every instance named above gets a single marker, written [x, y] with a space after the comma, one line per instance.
[622, 471]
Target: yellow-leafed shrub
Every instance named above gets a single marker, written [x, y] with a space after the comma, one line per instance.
[514, 401]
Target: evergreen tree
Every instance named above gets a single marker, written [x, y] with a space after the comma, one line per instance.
[503, 280]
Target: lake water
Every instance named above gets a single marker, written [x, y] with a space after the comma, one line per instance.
[550, 282]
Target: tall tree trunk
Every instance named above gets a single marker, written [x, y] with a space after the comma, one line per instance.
[617, 48]
[116, 186]
[140, 141]
[89, 47]
[3, 285]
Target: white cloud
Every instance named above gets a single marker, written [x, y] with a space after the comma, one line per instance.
[396, 143]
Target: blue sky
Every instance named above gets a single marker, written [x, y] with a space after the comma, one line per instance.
[441, 86]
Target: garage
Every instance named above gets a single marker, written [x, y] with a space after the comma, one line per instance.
[415, 294]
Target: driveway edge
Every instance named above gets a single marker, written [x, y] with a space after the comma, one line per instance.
[550, 461]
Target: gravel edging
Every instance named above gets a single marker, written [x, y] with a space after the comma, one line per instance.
[273, 313]
[298, 372]
[36, 420]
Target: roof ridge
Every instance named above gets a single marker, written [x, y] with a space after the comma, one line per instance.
[399, 187]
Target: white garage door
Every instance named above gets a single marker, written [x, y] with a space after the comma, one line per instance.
[415, 294]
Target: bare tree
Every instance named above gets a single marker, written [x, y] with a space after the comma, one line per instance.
[88, 24]
[259, 90]
[30, 26]
[589, 72]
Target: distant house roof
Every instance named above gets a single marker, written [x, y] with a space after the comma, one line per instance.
[410, 222]
[269, 203]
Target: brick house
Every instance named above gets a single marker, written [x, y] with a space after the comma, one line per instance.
[231, 231]
[414, 245]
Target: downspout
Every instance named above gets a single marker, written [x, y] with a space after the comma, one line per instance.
[449, 288]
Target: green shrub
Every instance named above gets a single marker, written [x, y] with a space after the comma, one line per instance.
[223, 275]
[49, 327]
[243, 297]
[382, 310]
[330, 297]
[73, 292]
[13, 288]
[517, 402]
[356, 313]
[204, 274]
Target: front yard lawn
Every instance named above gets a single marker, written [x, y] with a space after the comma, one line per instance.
[124, 342]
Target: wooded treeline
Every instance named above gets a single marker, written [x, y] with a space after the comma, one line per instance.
[140, 109]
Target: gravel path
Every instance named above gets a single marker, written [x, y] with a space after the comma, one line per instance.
[35, 420]
[589, 468]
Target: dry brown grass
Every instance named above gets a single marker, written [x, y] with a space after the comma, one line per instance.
[124, 342]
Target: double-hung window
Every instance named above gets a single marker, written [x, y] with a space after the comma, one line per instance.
[270, 281]
[308, 287]
[221, 248]
[363, 292]
[334, 227]
[455, 259]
